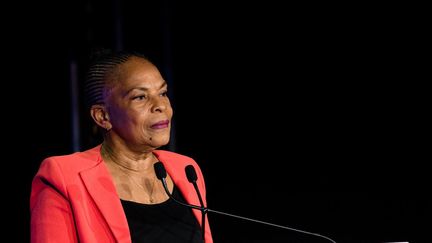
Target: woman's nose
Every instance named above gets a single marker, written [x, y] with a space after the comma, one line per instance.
[159, 105]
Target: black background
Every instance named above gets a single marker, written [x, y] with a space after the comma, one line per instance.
[301, 115]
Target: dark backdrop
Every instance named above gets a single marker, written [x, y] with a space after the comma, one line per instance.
[299, 114]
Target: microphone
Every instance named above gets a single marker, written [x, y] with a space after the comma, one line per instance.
[192, 178]
[161, 175]
[191, 174]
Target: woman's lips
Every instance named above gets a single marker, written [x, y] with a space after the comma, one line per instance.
[160, 124]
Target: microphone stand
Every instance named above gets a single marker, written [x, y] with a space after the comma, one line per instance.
[203, 210]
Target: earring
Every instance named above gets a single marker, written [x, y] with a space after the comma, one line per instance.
[106, 126]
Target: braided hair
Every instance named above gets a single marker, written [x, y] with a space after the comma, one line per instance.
[102, 68]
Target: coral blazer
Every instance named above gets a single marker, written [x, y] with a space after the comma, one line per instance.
[73, 198]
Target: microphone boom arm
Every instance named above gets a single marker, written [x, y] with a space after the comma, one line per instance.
[267, 223]
[161, 175]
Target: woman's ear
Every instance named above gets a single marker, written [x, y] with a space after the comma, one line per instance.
[100, 115]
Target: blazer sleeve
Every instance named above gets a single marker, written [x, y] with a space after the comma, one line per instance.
[50, 210]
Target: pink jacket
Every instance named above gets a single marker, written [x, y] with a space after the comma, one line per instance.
[73, 198]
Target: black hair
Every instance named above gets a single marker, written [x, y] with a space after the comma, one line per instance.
[103, 63]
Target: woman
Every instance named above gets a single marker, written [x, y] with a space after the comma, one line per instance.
[110, 193]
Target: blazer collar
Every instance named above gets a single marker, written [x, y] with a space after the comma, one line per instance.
[101, 188]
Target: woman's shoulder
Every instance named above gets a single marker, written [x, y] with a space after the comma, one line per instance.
[176, 163]
[84, 158]
[169, 156]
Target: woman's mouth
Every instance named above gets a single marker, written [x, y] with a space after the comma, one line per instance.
[160, 124]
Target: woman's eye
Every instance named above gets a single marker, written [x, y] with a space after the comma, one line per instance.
[139, 97]
[164, 93]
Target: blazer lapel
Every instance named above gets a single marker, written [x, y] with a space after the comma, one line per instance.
[101, 188]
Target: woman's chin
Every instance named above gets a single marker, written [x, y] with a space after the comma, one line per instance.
[160, 141]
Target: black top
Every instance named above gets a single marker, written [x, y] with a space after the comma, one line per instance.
[164, 222]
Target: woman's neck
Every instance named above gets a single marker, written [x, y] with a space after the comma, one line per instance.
[126, 158]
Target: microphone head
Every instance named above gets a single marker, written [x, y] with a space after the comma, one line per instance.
[160, 170]
[191, 173]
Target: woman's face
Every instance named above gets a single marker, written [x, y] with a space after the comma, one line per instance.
[138, 106]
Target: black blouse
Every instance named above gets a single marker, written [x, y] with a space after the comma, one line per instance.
[164, 222]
